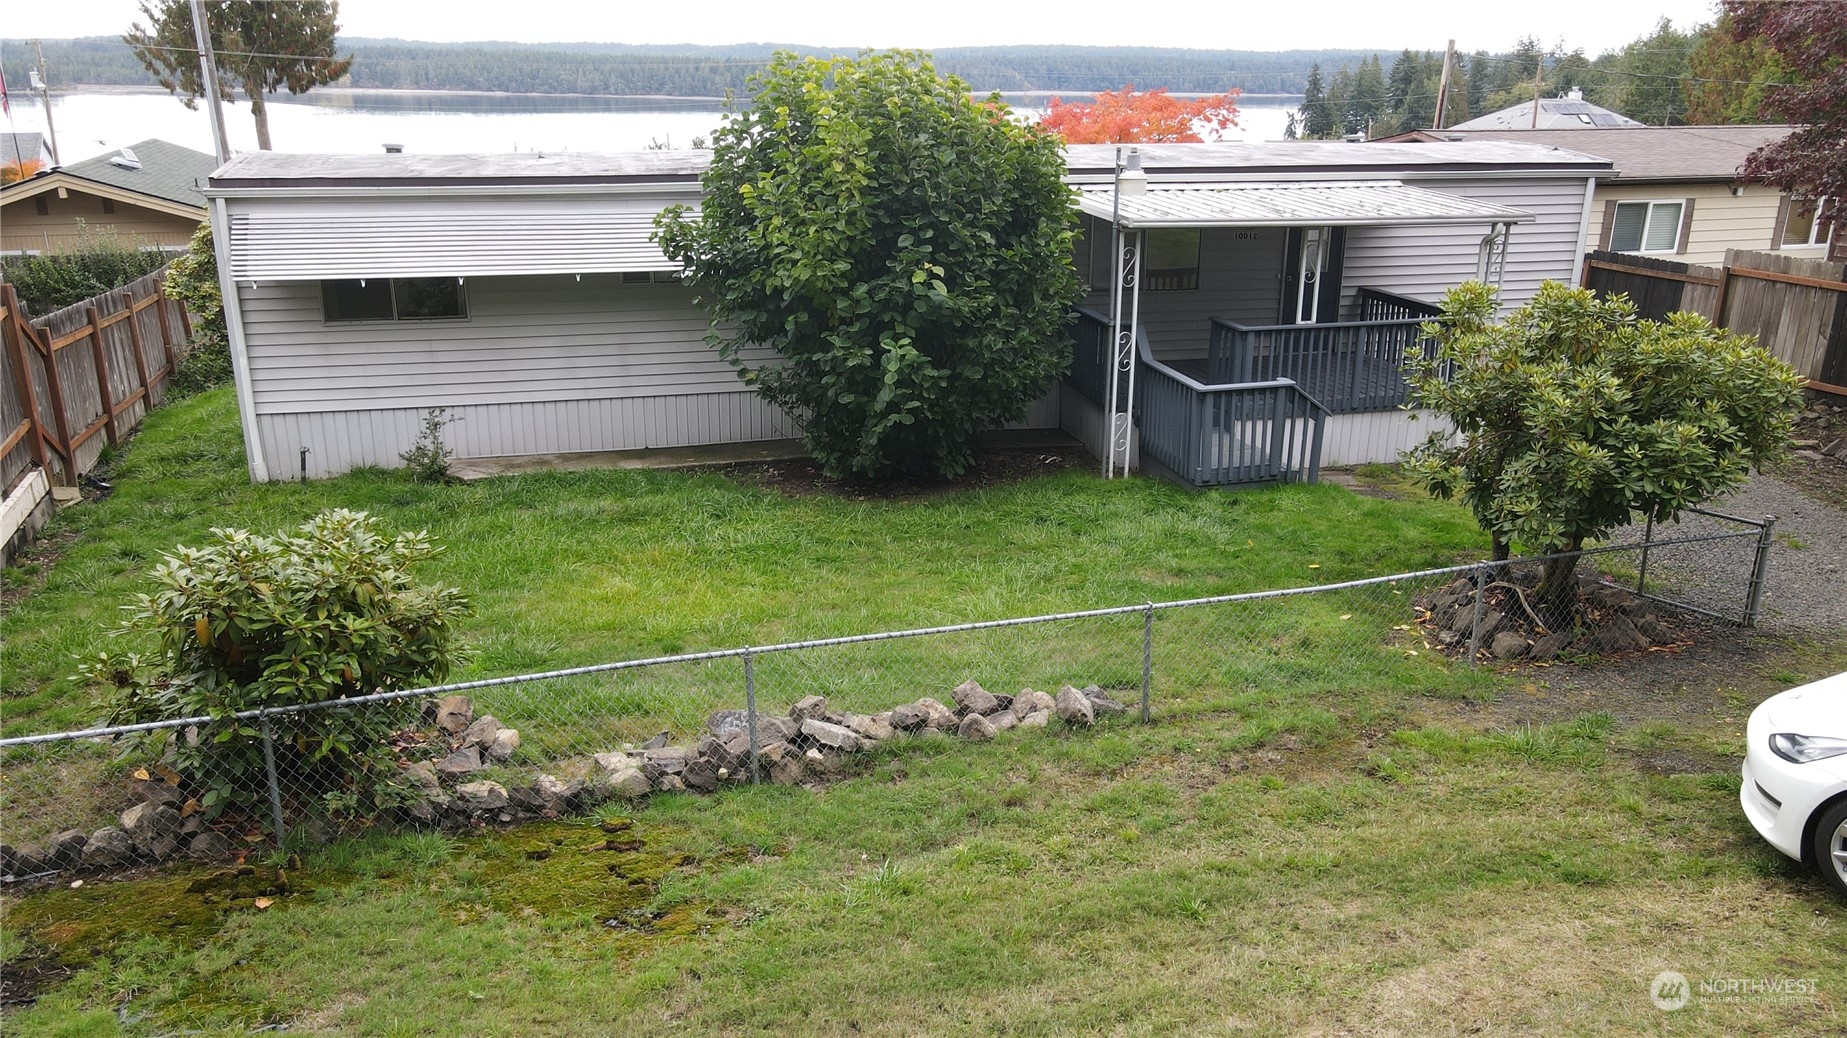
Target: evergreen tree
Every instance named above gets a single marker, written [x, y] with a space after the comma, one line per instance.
[1317, 113]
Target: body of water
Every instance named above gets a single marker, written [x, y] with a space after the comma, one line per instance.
[434, 122]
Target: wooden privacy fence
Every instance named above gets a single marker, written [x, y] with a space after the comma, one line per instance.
[81, 378]
[1797, 308]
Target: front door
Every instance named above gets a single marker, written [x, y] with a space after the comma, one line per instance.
[1312, 262]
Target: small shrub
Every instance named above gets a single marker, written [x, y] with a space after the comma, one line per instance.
[101, 262]
[427, 461]
[207, 364]
[326, 612]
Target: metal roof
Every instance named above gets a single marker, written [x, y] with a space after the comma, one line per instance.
[1666, 153]
[1349, 203]
[1555, 113]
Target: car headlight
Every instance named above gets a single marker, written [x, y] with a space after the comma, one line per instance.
[1801, 749]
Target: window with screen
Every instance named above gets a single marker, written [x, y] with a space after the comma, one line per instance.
[1646, 226]
[1170, 260]
[394, 299]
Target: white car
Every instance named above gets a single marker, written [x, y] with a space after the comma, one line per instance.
[1795, 775]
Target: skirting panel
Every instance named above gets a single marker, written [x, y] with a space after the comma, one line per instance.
[1374, 436]
[337, 441]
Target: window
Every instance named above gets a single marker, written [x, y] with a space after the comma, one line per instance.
[651, 277]
[1804, 225]
[394, 299]
[1170, 260]
[108, 207]
[42, 204]
[1646, 227]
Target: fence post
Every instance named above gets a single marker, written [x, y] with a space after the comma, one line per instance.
[141, 360]
[104, 390]
[1754, 599]
[1483, 576]
[750, 715]
[1648, 538]
[1147, 656]
[275, 788]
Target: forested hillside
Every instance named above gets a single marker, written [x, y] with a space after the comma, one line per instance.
[688, 71]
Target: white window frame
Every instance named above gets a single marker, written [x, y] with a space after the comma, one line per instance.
[1648, 222]
[395, 318]
[1819, 232]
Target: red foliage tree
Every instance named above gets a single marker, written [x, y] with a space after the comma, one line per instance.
[1810, 40]
[1153, 116]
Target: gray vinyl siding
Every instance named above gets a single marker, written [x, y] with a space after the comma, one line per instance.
[1240, 279]
[525, 340]
[1427, 261]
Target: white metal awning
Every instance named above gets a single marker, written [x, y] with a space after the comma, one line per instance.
[1348, 203]
[309, 246]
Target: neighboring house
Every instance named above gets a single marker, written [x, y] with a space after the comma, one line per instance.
[1676, 194]
[523, 292]
[17, 148]
[1570, 112]
[146, 194]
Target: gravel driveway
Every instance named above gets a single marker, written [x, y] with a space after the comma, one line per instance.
[1806, 588]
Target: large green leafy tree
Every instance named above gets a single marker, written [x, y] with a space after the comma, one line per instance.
[260, 45]
[1576, 418]
[904, 248]
[1809, 39]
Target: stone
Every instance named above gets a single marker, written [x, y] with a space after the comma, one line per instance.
[1036, 719]
[481, 733]
[1619, 635]
[462, 762]
[615, 761]
[65, 850]
[658, 741]
[971, 698]
[156, 790]
[1102, 703]
[155, 828]
[422, 777]
[1491, 621]
[1655, 631]
[868, 727]
[22, 861]
[1003, 720]
[910, 718]
[1547, 647]
[1507, 646]
[727, 723]
[701, 776]
[1030, 702]
[208, 846]
[809, 707]
[835, 736]
[1461, 619]
[942, 718]
[454, 714]
[976, 727]
[665, 760]
[627, 782]
[108, 846]
[549, 796]
[670, 784]
[784, 765]
[481, 797]
[1074, 707]
[505, 742]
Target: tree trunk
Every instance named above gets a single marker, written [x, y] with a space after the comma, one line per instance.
[259, 112]
[1558, 593]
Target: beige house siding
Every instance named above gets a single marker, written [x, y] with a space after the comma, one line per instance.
[22, 229]
[1721, 220]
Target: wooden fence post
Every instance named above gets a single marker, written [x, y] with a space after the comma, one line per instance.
[134, 342]
[22, 383]
[54, 381]
[166, 332]
[103, 387]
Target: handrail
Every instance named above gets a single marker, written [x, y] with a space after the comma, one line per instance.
[1147, 356]
[1392, 323]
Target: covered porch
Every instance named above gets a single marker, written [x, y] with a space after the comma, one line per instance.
[1232, 331]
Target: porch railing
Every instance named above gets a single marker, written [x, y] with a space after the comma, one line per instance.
[1206, 435]
[1376, 304]
[1349, 367]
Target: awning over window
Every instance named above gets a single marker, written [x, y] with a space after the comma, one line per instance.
[1351, 203]
[401, 242]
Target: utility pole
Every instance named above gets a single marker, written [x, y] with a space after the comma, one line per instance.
[1449, 58]
[44, 95]
[1538, 71]
[208, 71]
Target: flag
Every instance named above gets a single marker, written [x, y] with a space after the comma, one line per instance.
[6, 106]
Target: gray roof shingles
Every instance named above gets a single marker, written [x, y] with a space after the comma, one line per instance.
[1663, 153]
[167, 171]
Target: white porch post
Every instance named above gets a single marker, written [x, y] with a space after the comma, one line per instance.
[1130, 180]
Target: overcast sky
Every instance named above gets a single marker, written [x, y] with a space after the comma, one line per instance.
[1385, 25]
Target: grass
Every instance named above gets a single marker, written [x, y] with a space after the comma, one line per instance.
[1313, 837]
[569, 569]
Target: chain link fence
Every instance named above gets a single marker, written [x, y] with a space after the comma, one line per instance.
[542, 744]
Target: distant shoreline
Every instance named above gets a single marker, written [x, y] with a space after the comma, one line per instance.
[285, 98]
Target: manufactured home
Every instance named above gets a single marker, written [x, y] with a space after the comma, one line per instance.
[1270, 291]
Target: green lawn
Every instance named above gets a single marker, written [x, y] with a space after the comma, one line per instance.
[1325, 831]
